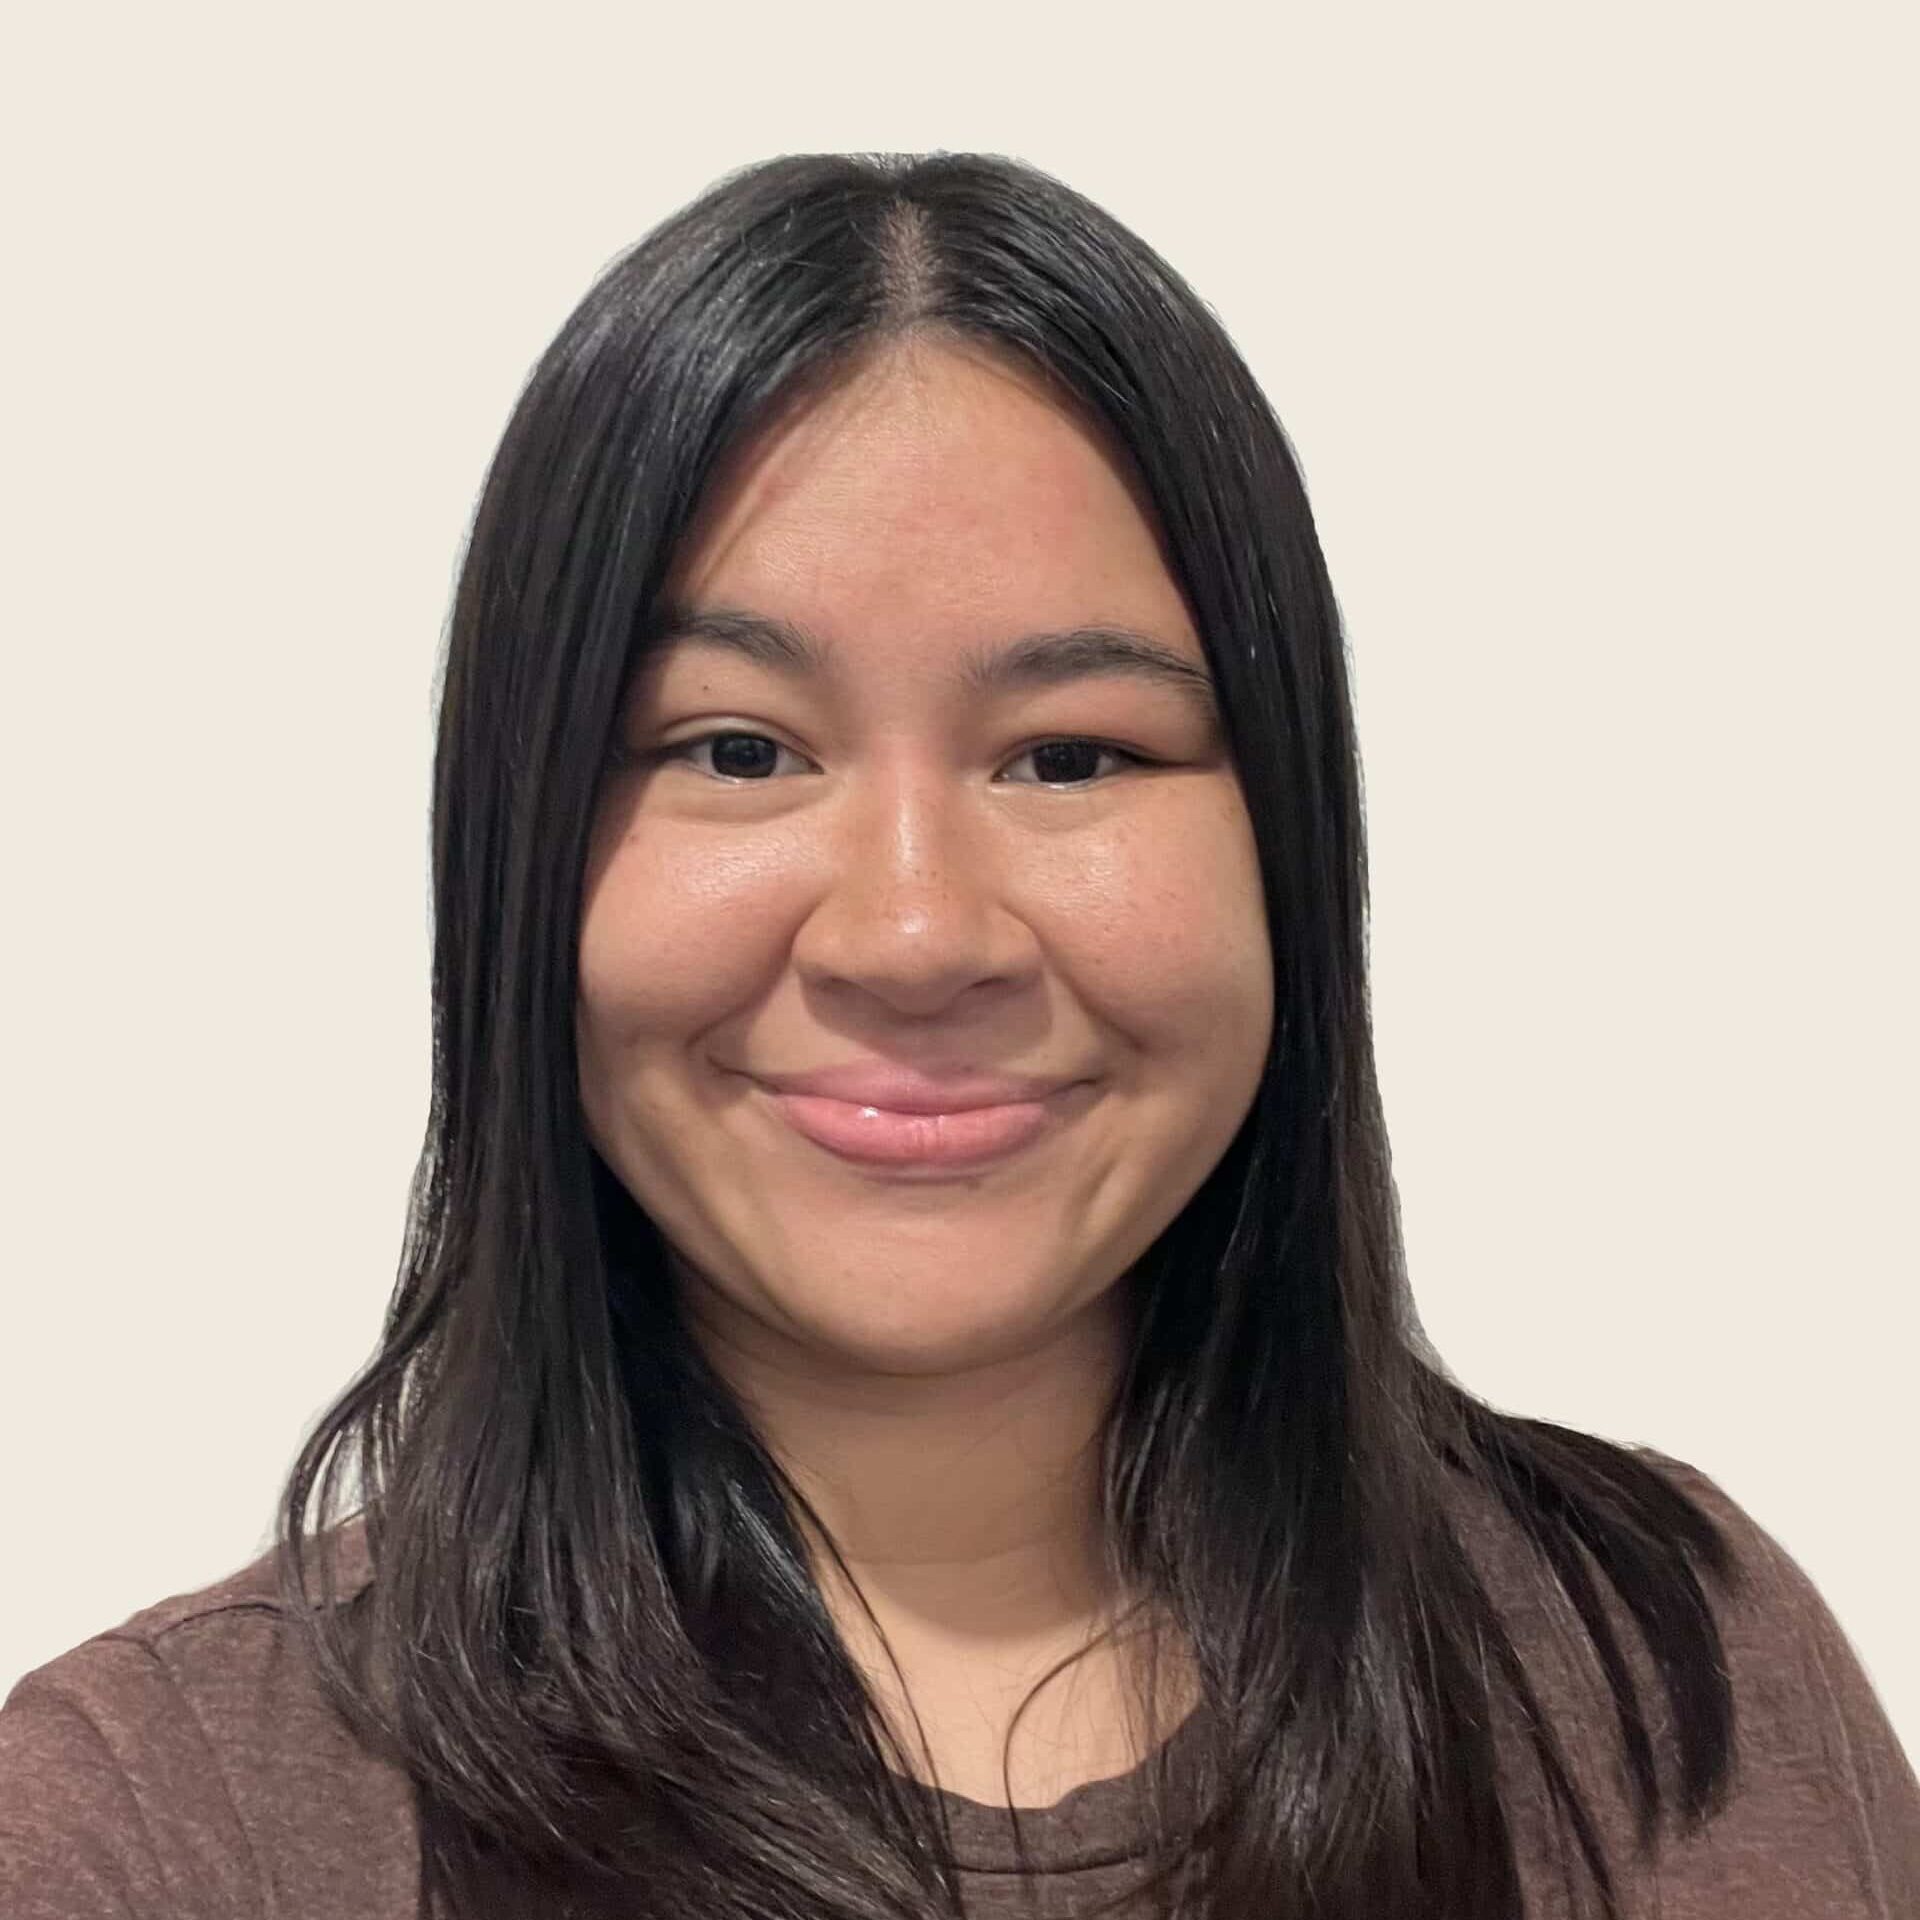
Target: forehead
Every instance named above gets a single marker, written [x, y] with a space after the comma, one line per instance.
[936, 484]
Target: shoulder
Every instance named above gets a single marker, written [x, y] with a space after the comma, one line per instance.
[1826, 1799]
[1822, 1811]
[186, 1760]
[226, 1657]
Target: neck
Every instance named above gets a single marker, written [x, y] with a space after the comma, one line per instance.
[971, 1494]
[966, 1508]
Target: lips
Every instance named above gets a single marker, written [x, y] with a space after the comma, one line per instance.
[908, 1090]
[878, 1137]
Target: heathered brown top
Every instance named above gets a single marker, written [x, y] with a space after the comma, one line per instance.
[184, 1765]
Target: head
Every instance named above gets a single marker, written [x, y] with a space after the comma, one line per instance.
[742, 776]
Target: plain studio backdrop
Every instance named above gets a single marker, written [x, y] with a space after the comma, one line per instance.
[1593, 331]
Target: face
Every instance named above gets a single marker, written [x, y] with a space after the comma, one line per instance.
[862, 838]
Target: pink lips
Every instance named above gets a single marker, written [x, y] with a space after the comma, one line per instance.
[888, 1116]
[902, 1139]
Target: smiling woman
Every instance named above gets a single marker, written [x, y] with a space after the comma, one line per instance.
[903, 1396]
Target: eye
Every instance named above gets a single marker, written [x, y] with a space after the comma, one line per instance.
[1064, 758]
[743, 758]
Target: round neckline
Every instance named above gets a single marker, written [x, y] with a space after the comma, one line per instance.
[1091, 1825]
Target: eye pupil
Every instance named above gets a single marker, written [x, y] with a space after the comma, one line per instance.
[1083, 754]
[760, 754]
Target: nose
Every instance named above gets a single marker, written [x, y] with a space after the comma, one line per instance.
[918, 900]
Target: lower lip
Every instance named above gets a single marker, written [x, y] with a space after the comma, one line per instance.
[876, 1136]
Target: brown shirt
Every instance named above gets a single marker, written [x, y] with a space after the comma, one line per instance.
[184, 1765]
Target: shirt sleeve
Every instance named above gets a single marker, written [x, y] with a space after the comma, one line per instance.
[111, 1806]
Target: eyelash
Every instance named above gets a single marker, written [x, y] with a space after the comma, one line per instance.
[678, 749]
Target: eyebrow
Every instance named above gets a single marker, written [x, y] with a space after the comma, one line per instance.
[1059, 658]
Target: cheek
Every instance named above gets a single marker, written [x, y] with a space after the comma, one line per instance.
[1163, 929]
[673, 934]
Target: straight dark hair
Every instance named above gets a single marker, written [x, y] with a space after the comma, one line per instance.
[591, 1634]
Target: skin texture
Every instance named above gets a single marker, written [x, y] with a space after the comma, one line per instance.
[930, 1358]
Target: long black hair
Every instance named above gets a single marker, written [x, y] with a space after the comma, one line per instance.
[589, 1631]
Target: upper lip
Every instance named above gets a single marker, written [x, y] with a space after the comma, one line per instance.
[909, 1090]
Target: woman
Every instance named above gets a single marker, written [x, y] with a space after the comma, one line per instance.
[902, 1397]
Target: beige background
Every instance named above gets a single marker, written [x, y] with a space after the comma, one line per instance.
[1594, 331]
